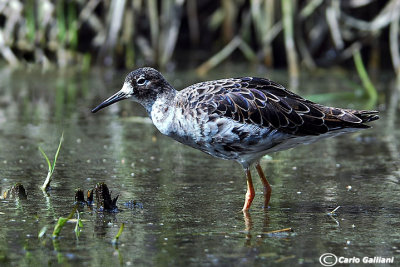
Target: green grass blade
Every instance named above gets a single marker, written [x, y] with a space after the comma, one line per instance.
[121, 229]
[47, 159]
[72, 21]
[78, 225]
[30, 21]
[42, 232]
[58, 151]
[61, 24]
[46, 183]
[362, 72]
[61, 222]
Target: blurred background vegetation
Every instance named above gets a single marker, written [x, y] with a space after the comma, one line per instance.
[169, 34]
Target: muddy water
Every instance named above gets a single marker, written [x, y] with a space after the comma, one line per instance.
[188, 203]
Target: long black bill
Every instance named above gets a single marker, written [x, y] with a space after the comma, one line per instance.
[111, 100]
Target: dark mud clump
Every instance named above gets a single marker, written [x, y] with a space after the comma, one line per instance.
[15, 192]
[101, 195]
[79, 196]
[104, 201]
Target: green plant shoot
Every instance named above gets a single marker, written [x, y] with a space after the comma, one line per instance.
[362, 72]
[121, 229]
[78, 225]
[42, 232]
[61, 222]
[46, 183]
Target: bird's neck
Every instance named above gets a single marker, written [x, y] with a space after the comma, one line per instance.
[167, 96]
[162, 110]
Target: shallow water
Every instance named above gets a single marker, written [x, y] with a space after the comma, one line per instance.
[189, 202]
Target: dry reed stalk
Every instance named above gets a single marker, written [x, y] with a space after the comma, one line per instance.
[262, 13]
[332, 14]
[171, 10]
[193, 21]
[269, 10]
[220, 56]
[394, 49]
[287, 12]
[394, 45]
[152, 12]
[389, 13]
[229, 9]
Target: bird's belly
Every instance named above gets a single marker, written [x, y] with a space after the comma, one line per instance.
[227, 139]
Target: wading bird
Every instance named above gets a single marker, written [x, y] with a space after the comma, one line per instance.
[239, 119]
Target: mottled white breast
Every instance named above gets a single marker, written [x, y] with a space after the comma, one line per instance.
[182, 125]
[162, 116]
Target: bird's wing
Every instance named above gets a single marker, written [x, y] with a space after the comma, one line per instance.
[265, 103]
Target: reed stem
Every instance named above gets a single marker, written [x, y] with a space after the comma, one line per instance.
[362, 73]
[287, 12]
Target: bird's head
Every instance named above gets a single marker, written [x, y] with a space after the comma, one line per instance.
[143, 85]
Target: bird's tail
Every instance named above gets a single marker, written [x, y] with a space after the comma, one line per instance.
[366, 115]
[343, 118]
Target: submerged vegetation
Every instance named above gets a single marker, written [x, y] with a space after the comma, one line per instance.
[61, 222]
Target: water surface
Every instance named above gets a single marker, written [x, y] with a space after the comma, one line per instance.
[189, 202]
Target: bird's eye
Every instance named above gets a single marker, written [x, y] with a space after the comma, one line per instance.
[141, 81]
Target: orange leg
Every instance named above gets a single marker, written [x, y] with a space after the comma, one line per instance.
[267, 186]
[250, 191]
